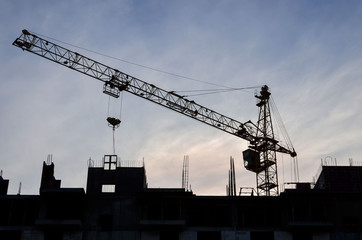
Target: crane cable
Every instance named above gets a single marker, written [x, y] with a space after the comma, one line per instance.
[288, 142]
[280, 124]
[114, 122]
[224, 88]
[214, 91]
[133, 63]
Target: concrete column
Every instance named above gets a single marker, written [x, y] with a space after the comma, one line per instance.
[188, 235]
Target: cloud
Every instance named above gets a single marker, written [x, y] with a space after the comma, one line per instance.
[308, 53]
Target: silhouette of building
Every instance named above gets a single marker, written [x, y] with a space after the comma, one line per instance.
[118, 204]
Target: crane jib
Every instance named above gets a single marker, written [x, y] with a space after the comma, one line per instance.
[116, 81]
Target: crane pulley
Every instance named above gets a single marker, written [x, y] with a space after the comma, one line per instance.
[116, 81]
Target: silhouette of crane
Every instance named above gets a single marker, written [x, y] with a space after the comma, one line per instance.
[259, 158]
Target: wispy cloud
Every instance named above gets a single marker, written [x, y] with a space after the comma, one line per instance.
[309, 53]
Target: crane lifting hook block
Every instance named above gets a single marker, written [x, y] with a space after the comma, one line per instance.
[113, 122]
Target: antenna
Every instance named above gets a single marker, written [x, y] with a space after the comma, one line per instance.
[185, 173]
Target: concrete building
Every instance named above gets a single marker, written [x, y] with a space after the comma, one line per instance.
[117, 204]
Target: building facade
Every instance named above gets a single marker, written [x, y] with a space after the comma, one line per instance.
[117, 204]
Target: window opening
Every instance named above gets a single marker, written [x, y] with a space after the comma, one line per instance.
[110, 162]
[108, 188]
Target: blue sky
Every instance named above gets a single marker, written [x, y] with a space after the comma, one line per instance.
[308, 52]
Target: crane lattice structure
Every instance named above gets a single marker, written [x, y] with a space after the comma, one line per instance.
[262, 144]
[267, 177]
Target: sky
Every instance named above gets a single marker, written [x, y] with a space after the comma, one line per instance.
[308, 52]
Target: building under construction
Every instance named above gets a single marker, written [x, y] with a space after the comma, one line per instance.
[117, 204]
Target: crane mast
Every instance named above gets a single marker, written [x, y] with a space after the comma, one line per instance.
[266, 177]
[262, 143]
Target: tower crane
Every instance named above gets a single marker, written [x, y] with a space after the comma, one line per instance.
[260, 157]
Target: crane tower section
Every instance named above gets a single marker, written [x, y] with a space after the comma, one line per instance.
[266, 176]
